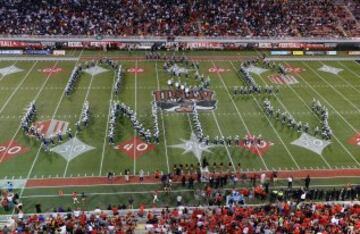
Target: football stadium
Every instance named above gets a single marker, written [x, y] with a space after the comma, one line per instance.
[180, 116]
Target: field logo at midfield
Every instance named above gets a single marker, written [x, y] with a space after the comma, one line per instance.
[135, 148]
[10, 70]
[254, 69]
[135, 70]
[293, 70]
[255, 148]
[217, 70]
[51, 70]
[355, 140]
[194, 146]
[283, 79]
[330, 69]
[11, 149]
[95, 70]
[311, 143]
[51, 127]
[71, 149]
[181, 101]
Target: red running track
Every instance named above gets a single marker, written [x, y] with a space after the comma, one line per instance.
[119, 180]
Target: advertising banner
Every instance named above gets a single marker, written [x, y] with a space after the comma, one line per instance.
[205, 45]
[11, 52]
[99, 43]
[265, 45]
[19, 44]
[315, 52]
[331, 52]
[37, 52]
[357, 52]
[279, 52]
[59, 52]
[298, 53]
[75, 44]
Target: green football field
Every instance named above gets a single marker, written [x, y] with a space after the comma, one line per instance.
[24, 158]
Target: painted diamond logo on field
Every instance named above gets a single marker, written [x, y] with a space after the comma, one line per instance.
[51, 70]
[254, 69]
[95, 70]
[71, 149]
[311, 143]
[11, 149]
[294, 70]
[254, 147]
[193, 145]
[355, 140]
[135, 70]
[9, 70]
[329, 69]
[217, 70]
[283, 79]
[135, 148]
[51, 127]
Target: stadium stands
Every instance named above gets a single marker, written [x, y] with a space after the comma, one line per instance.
[282, 217]
[262, 18]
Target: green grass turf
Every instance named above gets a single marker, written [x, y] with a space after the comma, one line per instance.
[102, 196]
[233, 116]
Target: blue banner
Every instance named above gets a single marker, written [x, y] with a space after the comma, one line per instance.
[37, 52]
[279, 52]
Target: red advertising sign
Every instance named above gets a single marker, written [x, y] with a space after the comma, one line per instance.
[20, 44]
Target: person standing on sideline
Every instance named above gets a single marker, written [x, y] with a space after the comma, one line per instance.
[290, 182]
[155, 198]
[141, 175]
[110, 176]
[262, 178]
[126, 174]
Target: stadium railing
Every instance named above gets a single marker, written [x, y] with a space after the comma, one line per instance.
[228, 39]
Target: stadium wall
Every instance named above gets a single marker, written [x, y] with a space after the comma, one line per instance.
[149, 42]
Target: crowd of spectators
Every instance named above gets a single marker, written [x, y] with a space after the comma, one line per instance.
[280, 217]
[76, 221]
[179, 17]
[284, 217]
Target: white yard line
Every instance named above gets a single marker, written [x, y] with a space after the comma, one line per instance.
[86, 97]
[135, 100]
[226, 147]
[239, 114]
[34, 99]
[352, 72]
[285, 108]
[345, 81]
[17, 87]
[318, 94]
[332, 87]
[272, 126]
[221, 133]
[107, 127]
[162, 120]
